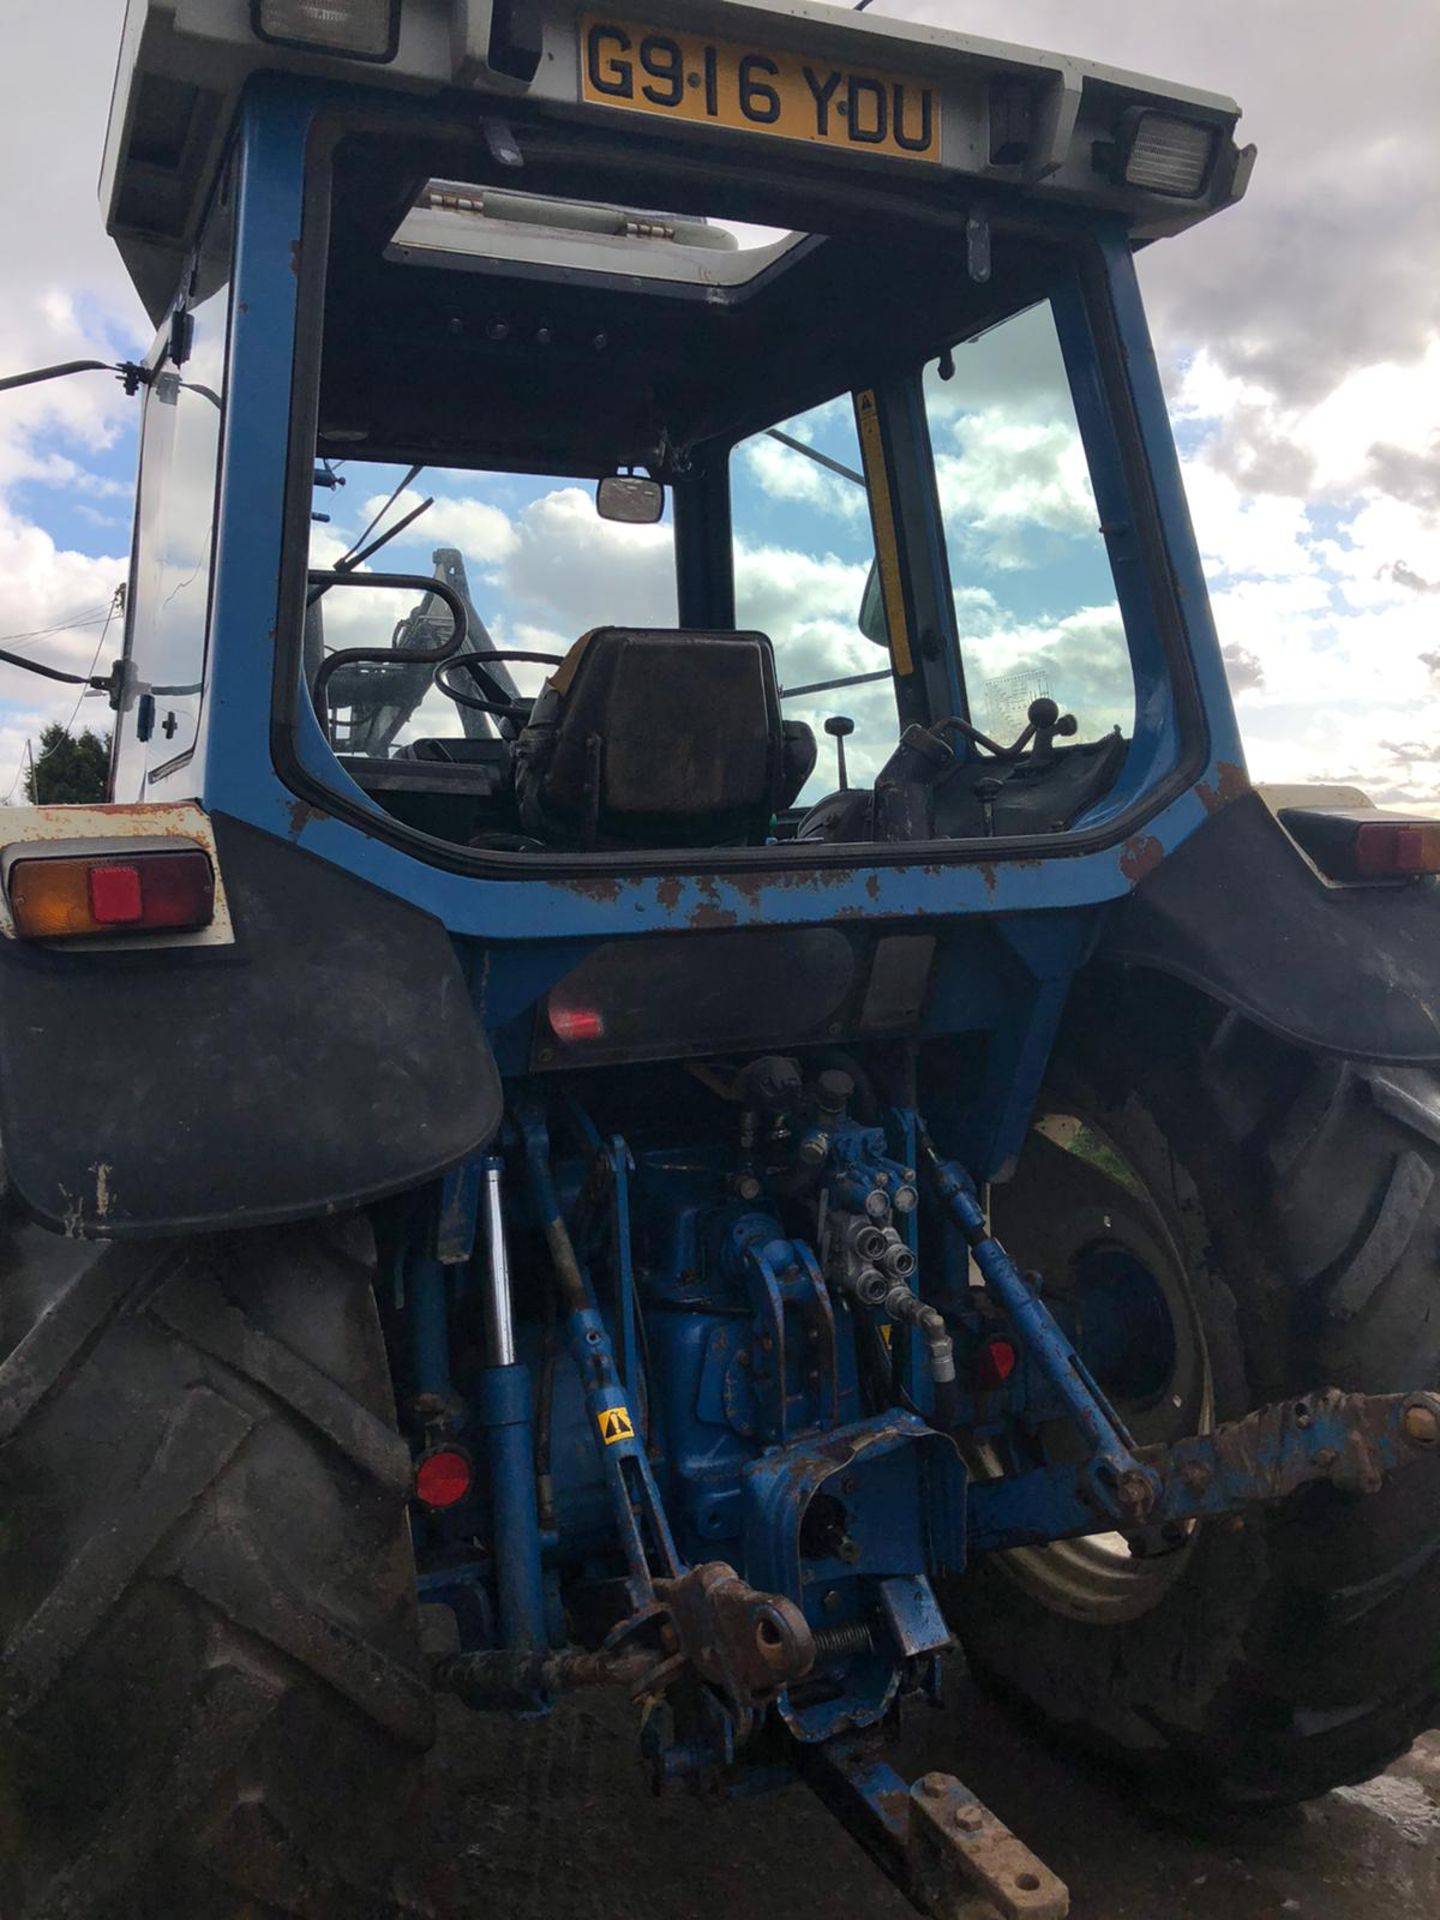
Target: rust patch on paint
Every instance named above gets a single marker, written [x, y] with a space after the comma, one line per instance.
[667, 893]
[894, 1808]
[751, 886]
[1230, 783]
[1141, 855]
[709, 913]
[872, 886]
[301, 814]
[602, 888]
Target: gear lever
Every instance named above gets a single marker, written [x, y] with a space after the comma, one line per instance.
[838, 726]
[1046, 721]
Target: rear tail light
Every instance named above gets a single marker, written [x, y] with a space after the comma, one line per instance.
[59, 897]
[571, 1023]
[442, 1478]
[1398, 848]
[1360, 843]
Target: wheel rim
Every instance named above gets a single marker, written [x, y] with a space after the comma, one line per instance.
[1117, 1279]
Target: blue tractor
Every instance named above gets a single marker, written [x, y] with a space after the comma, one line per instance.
[719, 1081]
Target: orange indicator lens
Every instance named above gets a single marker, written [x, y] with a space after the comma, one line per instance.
[1397, 848]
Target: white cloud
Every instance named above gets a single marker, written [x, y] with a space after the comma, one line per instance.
[570, 570]
[1010, 483]
[785, 474]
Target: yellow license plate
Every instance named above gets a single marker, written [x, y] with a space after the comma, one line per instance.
[724, 83]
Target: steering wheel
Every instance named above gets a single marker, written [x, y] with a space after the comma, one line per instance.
[498, 704]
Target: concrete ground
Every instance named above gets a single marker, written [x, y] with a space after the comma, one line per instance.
[553, 1820]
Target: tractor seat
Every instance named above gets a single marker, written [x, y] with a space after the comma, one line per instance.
[656, 737]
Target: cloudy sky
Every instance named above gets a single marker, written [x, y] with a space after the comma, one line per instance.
[1299, 335]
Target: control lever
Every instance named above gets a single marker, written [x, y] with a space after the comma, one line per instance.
[839, 726]
[987, 792]
[1046, 722]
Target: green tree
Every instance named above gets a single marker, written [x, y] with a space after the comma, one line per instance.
[69, 769]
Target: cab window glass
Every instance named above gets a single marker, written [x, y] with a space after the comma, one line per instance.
[175, 532]
[803, 550]
[1035, 600]
[529, 554]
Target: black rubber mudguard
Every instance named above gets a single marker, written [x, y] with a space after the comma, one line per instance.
[1237, 911]
[330, 1056]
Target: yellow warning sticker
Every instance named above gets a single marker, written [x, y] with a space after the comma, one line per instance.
[615, 1424]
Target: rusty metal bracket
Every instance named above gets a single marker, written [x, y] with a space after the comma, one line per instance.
[745, 1644]
[946, 1851]
[707, 1624]
[1350, 1440]
[965, 1862]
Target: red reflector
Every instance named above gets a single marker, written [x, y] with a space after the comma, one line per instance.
[569, 1024]
[1397, 849]
[994, 1364]
[115, 896]
[442, 1478]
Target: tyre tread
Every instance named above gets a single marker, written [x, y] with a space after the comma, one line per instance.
[279, 1660]
[232, 1706]
[253, 1593]
[56, 1343]
[202, 1316]
[197, 1447]
[1396, 1221]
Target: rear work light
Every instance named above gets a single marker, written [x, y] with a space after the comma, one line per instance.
[1360, 843]
[1160, 154]
[61, 896]
[354, 29]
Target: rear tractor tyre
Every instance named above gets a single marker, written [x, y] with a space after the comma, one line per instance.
[211, 1696]
[1233, 1221]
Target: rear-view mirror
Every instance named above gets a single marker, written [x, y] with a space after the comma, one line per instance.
[627, 497]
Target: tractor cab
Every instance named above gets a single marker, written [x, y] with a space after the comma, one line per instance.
[695, 440]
